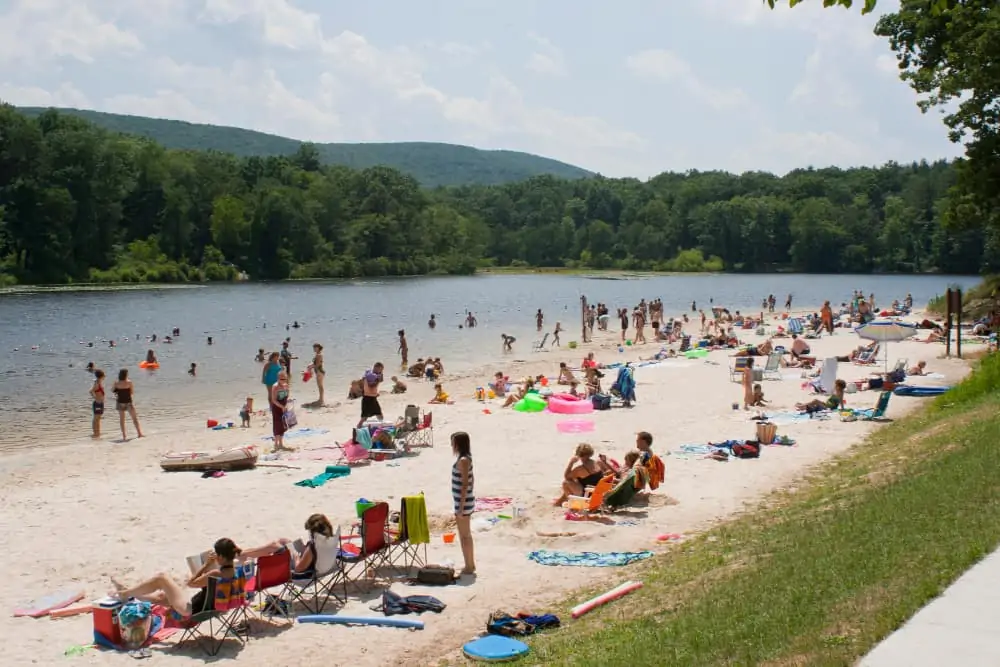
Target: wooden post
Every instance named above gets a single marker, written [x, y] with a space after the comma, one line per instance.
[949, 302]
[958, 322]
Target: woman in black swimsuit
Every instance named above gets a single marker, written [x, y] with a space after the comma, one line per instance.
[623, 316]
[161, 589]
[97, 403]
[581, 471]
[123, 390]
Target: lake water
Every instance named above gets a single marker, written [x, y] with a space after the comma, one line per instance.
[44, 335]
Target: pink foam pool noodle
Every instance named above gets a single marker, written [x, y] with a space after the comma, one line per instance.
[615, 593]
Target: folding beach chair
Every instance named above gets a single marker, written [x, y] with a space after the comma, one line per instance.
[736, 370]
[867, 357]
[372, 551]
[878, 412]
[406, 549]
[624, 491]
[315, 592]
[795, 326]
[772, 369]
[421, 434]
[272, 572]
[225, 614]
[539, 345]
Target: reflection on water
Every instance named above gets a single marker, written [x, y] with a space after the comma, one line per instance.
[44, 335]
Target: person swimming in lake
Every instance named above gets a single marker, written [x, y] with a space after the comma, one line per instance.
[193, 371]
[151, 357]
[432, 322]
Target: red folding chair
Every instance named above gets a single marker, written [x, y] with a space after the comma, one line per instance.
[273, 572]
[373, 549]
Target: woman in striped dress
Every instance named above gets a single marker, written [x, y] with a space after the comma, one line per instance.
[463, 496]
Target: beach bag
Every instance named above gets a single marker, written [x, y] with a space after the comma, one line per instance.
[503, 624]
[601, 402]
[747, 450]
[436, 575]
[291, 421]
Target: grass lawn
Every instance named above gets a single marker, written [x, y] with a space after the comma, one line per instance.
[818, 575]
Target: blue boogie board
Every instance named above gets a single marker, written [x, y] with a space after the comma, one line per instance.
[907, 390]
[494, 648]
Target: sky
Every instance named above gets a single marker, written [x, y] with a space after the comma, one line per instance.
[625, 89]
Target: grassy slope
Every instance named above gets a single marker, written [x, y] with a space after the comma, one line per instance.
[432, 164]
[818, 576]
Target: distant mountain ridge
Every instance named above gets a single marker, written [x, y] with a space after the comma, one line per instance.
[432, 164]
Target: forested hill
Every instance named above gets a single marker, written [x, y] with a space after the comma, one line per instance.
[432, 164]
[78, 203]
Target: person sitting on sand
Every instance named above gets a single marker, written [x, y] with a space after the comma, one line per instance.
[762, 350]
[356, 390]
[581, 471]
[521, 392]
[919, 369]
[499, 385]
[800, 348]
[862, 350]
[440, 396]
[593, 381]
[589, 361]
[565, 374]
[416, 370]
[834, 402]
[398, 387]
[757, 399]
[574, 389]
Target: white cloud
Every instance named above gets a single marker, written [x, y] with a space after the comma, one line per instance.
[667, 67]
[282, 23]
[33, 32]
[824, 84]
[548, 59]
[31, 96]
[775, 150]
[887, 64]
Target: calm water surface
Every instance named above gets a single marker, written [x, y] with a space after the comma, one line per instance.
[44, 400]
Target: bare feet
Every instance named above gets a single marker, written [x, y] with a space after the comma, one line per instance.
[466, 570]
[119, 588]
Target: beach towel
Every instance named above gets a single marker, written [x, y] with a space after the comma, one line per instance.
[625, 384]
[492, 504]
[788, 418]
[300, 433]
[332, 472]
[588, 558]
[417, 529]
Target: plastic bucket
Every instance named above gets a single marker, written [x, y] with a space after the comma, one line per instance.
[449, 538]
[362, 506]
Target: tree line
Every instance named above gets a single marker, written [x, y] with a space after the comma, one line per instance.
[81, 204]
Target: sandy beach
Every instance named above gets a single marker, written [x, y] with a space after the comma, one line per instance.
[75, 516]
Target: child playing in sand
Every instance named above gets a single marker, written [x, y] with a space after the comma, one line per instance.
[565, 374]
[508, 342]
[757, 399]
[398, 387]
[440, 396]
[499, 385]
[919, 369]
[573, 388]
[245, 413]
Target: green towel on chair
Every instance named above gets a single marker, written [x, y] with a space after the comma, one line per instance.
[417, 529]
[332, 472]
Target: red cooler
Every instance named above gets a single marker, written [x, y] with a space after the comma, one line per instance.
[106, 621]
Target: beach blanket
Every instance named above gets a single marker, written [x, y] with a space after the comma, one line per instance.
[332, 472]
[588, 558]
[491, 504]
[300, 433]
[788, 418]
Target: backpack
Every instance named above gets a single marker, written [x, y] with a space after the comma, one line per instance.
[435, 575]
[601, 401]
[746, 450]
[393, 604]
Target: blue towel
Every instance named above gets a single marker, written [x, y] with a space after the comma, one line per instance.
[300, 433]
[625, 384]
[588, 558]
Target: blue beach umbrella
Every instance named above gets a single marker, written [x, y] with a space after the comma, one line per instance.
[886, 331]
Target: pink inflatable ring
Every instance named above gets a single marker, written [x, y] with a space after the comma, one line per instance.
[566, 404]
